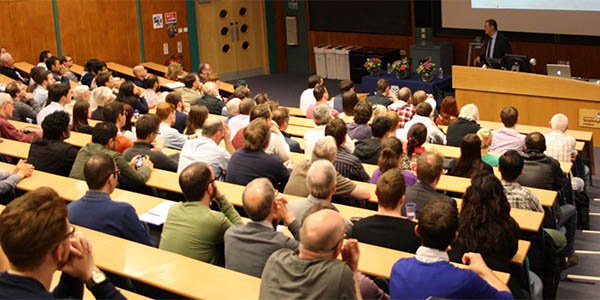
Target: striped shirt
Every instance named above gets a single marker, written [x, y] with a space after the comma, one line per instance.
[521, 197]
[560, 146]
[349, 166]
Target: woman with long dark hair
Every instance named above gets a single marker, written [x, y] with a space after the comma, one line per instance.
[469, 163]
[198, 114]
[391, 158]
[81, 113]
[129, 94]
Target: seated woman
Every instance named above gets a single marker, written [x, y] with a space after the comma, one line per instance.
[465, 124]
[101, 97]
[360, 129]
[448, 111]
[486, 227]
[469, 163]
[128, 130]
[150, 94]
[81, 113]
[129, 94]
[349, 100]
[198, 114]
[174, 72]
[485, 135]
[391, 158]
[415, 138]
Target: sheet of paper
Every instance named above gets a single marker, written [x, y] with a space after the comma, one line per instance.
[157, 215]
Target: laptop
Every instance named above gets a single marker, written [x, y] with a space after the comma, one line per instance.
[559, 70]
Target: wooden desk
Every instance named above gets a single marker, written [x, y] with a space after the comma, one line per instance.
[77, 69]
[77, 139]
[295, 111]
[87, 295]
[26, 68]
[5, 79]
[129, 72]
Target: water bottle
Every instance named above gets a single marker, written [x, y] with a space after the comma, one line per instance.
[389, 68]
[136, 114]
[441, 74]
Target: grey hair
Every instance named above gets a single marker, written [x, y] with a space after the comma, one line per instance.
[80, 91]
[469, 112]
[5, 98]
[559, 122]
[321, 114]
[321, 178]
[325, 148]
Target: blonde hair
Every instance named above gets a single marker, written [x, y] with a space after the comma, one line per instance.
[485, 135]
[174, 70]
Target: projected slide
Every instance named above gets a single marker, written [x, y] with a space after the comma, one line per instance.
[583, 5]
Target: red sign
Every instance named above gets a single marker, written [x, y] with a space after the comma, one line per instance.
[171, 18]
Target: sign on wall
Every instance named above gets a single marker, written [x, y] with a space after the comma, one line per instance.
[157, 21]
[171, 17]
[589, 118]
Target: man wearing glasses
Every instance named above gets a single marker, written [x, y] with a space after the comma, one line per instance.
[38, 240]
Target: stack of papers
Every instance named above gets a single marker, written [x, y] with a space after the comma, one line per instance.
[158, 215]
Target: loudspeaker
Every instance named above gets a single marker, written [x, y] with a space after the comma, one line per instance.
[291, 30]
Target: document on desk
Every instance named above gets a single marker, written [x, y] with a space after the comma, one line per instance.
[157, 215]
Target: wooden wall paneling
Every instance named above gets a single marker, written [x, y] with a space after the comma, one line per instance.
[280, 36]
[154, 38]
[103, 29]
[27, 28]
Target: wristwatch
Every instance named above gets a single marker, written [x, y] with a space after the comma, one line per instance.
[98, 277]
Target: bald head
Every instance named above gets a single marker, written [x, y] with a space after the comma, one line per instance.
[322, 231]
[321, 179]
[559, 122]
[258, 199]
[140, 72]
[212, 126]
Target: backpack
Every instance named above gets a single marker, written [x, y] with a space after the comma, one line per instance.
[582, 203]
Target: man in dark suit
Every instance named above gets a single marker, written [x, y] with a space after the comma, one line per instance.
[429, 170]
[7, 68]
[496, 44]
[211, 98]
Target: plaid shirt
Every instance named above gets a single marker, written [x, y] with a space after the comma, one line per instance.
[521, 197]
[560, 146]
[405, 114]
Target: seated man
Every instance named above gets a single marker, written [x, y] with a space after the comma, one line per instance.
[112, 217]
[192, 91]
[507, 138]
[180, 116]
[139, 74]
[8, 130]
[281, 116]
[38, 240]
[320, 180]
[50, 153]
[382, 94]
[243, 119]
[345, 85]
[168, 135]
[211, 99]
[368, 150]
[247, 247]
[67, 62]
[388, 228]
[429, 273]
[101, 96]
[192, 228]
[53, 64]
[322, 116]
[146, 130]
[511, 167]
[7, 68]
[59, 96]
[25, 108]
[315, 272]
[103, 141]
[42, 79]
[406, 112]
[252, 162]
[206, 148]
[424, 115]
[404, 95]
[346, 163]
[562, 147]
[307, 97]
[325, 149]
[430, 167]
[322, 97]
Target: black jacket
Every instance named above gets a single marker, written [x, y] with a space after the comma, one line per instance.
[501, 47]
[422, 193]
[458, 130]
[379, 99]
[13, 73]
[214, 104]
[542, 171]
[52, 156]
[368, 151]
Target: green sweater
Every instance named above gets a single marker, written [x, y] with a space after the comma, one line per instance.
[194, 230]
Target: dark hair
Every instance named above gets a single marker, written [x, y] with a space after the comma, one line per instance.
[485, 221]
[281, 115]
[260, 98]
[313, 80]
[173, 98]
[80, 115]
[56, 92]
[319, 91]
[112, 111]
[126, 91]
[430, 166]
[381, 85]
[338, 130]
[362, 112]
[381, 125]
[44, 55]
[469, 163]
[391, 153]
[390, 188]
[128, 115]
[260, 111]
[97, 169]
[102, 78]
[64, 59]
[246, 106]
[12, 89]
[536, 142]
[509, 116]
[39, 75]
[94, 66]
[448, 108]
[146, 125]
[51, 61]
[194, 181]
[438, 223]
[55, 124]
[346, 85]
[511, 165]
[189, 79]
[195, 119]
[31, 226]
[103, 132]
[257, 135]
[349, 101]
[492, 23]
[416, 137]
[424, 109]
[150, 81]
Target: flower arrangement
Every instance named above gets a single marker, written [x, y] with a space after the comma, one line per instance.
[373, 65]
[401, 68]
[425, 66]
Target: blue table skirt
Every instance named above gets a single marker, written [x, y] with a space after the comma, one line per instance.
[413, 82]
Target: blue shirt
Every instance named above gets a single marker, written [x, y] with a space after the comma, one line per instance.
[95, 210]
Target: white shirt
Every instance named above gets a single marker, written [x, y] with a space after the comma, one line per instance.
[306, 99]
[278, 147]
[490, 50]
[171, 137]
[560, 146]
[434, 134]
[204, 150]
[40, 95]
[52, 107]
[314, 134]
[431, 102]
[236, 123]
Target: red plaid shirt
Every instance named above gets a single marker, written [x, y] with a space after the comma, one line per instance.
[405, 113]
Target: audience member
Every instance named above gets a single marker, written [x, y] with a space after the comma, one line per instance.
[251, 161]
[192, 91]
[53, 65]
[346, 163]
[469, 163]
[448, 111]
[129, 94]
[368, 150]
[58, 96]
[261, 98]
[79, 93]
[8, 130]
[50, 153]
[248, 247]
[180, 115]
[429, 274]
[42, 79]
[233, 108]
[562, 147]
[7, 68]
[211, 98]
[424, 115]
[115, 113]
[92, 68]
[430, 167]
[307, 97]
[44, 56]
[175, 72]
[415, 138]
[205, 70]
[146, 130]
[281, 116]
[465, 124]
[406, 112]
[404, 95]
[102, 96]
[345, 86]
[25, 108]
[382, 94]
[195, 120]
[139, 75]
[359, 129]
[508, 138]
[322, 97]
[9, 180]
[67, 62]
[170, 137]
[511, 167]
[349, 101]
[38, 240]
[81, 113]
[391, 157]
[243, 119]
[193, 229]
[105, 78]
[486, 137]
[151, 93]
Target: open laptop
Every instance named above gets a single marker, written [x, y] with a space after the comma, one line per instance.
[559, 70]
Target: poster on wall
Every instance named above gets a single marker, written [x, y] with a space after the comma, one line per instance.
[171, 17]
[157, 21]
[172, 30]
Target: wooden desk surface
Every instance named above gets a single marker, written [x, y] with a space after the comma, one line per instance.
[129, 72]
[5, 79]
[77, 139]
[579, 135]
[295, 111]
[26, 68]
[77, 69]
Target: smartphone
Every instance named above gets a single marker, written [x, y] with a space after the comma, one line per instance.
[139, 162]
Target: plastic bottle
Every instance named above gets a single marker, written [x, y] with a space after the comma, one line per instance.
[136, 114]
[389, 68]
[441, 74]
